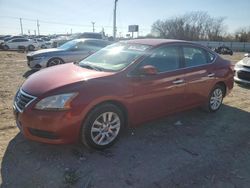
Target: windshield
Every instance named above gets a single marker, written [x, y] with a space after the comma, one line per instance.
[68, 45]
[115, 57]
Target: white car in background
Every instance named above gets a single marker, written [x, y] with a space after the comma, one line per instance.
[242, 70]
[18, 43]
[43, 44]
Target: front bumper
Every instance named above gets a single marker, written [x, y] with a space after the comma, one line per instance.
[37, 64]
[53, 127]
[242, 75]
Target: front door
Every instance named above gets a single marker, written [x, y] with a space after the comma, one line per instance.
[162, 93]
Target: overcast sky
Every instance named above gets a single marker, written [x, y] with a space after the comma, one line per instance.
[78, 14]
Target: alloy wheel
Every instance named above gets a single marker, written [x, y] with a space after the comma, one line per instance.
[54, 62]
[105, 128]
[216, 99]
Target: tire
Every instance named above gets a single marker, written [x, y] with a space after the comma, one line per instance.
[102, 127]
[31, 47]
[54, 61]
[215, 99]
[5, 47]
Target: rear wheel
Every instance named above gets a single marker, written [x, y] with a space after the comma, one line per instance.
[31, 47]
[215, 98]
[102, 126]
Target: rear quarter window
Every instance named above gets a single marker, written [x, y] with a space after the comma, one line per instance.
[194, 56]
[211, 57]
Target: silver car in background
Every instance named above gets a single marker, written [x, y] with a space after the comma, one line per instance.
[72, 51]
[242, 70]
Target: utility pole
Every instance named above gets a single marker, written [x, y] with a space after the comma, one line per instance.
[21, 24]
[38, 25]
[114, 21]
[35, 32]
[93, 25]
[71, 31]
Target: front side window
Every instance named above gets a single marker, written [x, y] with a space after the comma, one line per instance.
[164, 59]
[194, 56]
[15, 40]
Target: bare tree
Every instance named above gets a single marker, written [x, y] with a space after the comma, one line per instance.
[243, 35]
[190, 26]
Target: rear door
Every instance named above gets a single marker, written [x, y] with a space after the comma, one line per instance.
[157, 95]
[199, 74]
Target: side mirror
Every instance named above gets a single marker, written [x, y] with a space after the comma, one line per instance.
[246, 55]
[148, 70]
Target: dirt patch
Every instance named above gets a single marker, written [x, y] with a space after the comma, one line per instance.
[189, 149]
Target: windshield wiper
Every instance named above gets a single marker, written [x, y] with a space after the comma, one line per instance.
[88, 66]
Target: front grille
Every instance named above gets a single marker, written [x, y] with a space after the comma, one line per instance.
[244, 75]
[29, 58]
[22, 100]
[246, 66]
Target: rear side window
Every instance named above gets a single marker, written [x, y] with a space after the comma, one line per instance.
[164, 59]
[19, 40]
[211, 57]
[194, 56]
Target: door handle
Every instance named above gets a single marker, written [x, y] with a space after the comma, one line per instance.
[178, 81]
[211, 75]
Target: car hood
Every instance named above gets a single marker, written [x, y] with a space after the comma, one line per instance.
[245, 62]
[44, 52]
[55, 77]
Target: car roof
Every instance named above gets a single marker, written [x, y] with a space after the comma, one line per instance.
[155, 42]
[86, 39]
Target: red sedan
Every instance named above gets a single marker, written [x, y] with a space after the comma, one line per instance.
[122, 85]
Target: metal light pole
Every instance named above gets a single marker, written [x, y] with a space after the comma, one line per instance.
[38, 27]
[114, 21]
[21, 24]
[93, 24]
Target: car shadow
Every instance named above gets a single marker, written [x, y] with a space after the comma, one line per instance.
[29, 72]
[190, 149]
[245, 86]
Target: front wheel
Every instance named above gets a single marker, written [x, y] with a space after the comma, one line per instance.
[215, 98]
[5, 47]
[102, 126]
[54, 61]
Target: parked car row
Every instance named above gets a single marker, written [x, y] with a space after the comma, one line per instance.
[21, 42]
[36, 42]
[120, 85]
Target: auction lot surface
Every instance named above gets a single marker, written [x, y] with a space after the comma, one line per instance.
[189, 149]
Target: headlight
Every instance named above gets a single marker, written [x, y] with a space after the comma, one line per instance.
[238, 65]
[56, 102]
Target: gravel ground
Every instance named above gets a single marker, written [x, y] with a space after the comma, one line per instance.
[189, 149]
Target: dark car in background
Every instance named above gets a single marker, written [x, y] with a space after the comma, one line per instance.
[72, 51]
[124, 84]
[242, 70]
[224, 50]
